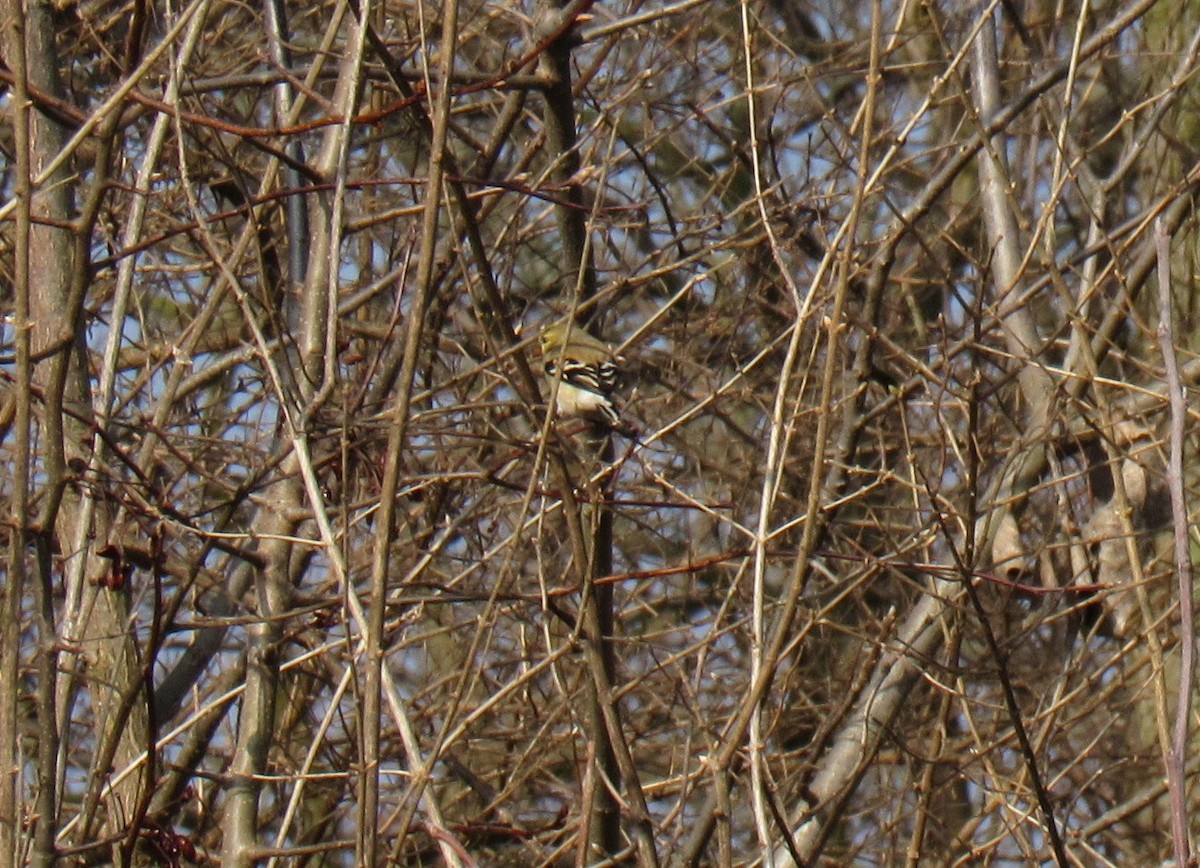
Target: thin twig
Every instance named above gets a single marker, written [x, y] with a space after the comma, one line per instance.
[1176, 777]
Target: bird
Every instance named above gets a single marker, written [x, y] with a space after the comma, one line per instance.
[589, 375]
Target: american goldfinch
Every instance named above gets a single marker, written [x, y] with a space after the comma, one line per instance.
[589, 374]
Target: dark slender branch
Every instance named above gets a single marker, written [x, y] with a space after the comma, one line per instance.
[964, 559]
[296, 207]
[14, 586]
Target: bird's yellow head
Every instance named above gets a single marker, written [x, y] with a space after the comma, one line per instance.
[573, 340]
[555, 335]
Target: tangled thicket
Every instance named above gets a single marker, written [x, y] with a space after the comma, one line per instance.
[885, 576]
